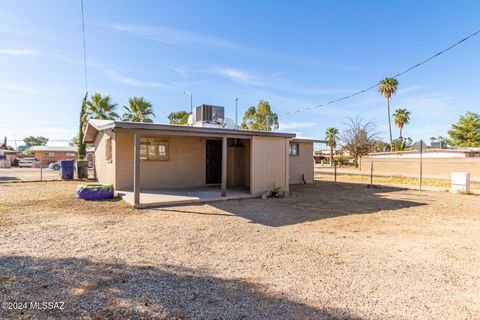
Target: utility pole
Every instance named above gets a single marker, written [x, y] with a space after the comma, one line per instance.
[236, 114]
[15, 139]
[188, 93]
[421, 164]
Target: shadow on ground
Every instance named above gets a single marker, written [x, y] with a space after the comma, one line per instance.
[321, 200]
[114, 290]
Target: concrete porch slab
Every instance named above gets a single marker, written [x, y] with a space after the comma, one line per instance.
[168, 197]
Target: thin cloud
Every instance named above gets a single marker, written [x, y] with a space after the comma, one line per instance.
[172, 36]
[114, 75]
[14, 52]
[296, 125]
[30, 52]
[240, 76]
[27, 89]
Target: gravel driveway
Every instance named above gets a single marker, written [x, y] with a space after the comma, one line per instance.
[331, 251]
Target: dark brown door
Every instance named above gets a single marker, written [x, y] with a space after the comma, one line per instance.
[214, 161]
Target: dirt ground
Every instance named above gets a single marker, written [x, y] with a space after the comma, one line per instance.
[330, 251]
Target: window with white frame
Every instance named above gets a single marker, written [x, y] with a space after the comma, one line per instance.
[153, 149]
[49, 154]
[71, 154]
[293, 149]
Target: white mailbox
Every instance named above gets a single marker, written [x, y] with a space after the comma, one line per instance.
[460, 182]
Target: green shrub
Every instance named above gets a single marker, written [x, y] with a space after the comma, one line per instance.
[343, 160]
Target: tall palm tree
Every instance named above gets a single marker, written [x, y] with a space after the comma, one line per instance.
[138, 110]
[387, 87]
[401, 117]
[331, 136]
[100, 107]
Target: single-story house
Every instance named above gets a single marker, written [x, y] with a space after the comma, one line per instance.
[150, 157]
[49, 154]
[7, 157]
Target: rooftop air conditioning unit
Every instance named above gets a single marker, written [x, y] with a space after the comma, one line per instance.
[207, 114]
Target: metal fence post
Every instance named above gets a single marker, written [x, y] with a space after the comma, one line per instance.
[335, 170]
[371, 173]
[41, 166]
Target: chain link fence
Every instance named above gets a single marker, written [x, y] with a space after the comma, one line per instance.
[422, 173]
[29, 169]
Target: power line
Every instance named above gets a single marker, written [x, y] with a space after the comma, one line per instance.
[84, 47]
[395, 76]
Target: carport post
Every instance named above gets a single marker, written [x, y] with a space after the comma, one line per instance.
[136, 169]
[224, 166]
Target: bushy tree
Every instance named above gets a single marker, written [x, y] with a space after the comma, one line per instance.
[260, 118]
[138, 110]
[35, 141]
[401, 117]
[179, 117]
[466, 132]
[387, 87]
[100, 107]
[359, 137]
[331, 137]
[82, 148]
[402, 144]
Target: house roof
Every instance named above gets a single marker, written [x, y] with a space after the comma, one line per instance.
[312, 140]
[65, 149]
[95, 126]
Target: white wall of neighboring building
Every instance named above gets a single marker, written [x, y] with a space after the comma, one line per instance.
[427, 154]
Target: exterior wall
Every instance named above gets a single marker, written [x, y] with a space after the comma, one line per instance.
[302, 164]
[104, 170]
[269, 164]
[440, 168]
[57, 155]
[185, 167]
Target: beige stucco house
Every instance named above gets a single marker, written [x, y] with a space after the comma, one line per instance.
[141, 157]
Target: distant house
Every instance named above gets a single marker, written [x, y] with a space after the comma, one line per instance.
[147, 156]
[48, 154]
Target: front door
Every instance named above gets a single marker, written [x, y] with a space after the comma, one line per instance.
[214, 162]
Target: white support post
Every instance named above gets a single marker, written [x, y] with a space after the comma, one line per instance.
[136, 169]
[287, 164]
[224, 166]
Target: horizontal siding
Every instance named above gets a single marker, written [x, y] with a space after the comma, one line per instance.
[302, 165]
[185, 167]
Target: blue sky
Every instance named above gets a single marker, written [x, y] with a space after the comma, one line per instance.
[294, 54]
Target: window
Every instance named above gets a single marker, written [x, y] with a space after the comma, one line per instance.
[49, 154]
[153, 149]
[71, 154]
[293, 149]
[108, 149]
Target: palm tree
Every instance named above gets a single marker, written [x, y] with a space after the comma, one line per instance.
[387, 87]
[138, 110]
[331, 136]
[401, 117]
[100, 107]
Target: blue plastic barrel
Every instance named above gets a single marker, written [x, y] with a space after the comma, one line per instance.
[67, 168]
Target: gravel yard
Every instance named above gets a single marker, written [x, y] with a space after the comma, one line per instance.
[330, 251]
